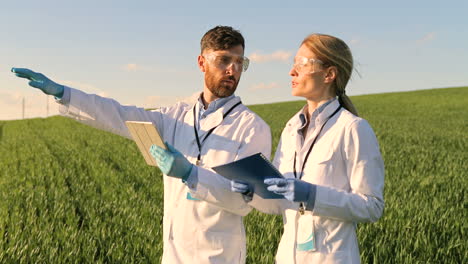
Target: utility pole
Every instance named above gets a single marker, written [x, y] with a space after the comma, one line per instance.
[47, 97]
[23, 107]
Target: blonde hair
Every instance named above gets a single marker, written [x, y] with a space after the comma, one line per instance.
[334, 52]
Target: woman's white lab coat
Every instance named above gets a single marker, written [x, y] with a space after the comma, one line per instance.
[194, 231]
[348, 170]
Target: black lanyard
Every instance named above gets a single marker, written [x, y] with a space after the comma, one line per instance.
[312, 146]
[199, 143]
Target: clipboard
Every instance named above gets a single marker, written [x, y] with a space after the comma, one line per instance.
[145, 134]
[254, 170]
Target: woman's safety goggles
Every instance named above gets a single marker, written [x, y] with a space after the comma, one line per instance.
[305, 65]
[224, 61]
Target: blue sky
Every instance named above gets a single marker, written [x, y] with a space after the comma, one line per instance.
[144, 52]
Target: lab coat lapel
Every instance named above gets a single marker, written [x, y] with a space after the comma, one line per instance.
[294, 124]
[321, 118]
[188, 119]
[215, 119]
[189, 122]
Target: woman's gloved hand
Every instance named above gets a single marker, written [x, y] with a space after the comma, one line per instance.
[293, 189]
[243, 188]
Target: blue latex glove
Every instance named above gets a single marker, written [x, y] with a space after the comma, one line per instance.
[171, 161]
[39, 80]
[243, 188]
[293, 189]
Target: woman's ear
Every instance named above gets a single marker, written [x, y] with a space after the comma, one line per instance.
[330, 74]
[201, 63]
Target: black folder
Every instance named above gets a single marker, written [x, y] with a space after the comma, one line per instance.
[253, 170]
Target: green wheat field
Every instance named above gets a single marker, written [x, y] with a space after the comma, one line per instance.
[73, 194]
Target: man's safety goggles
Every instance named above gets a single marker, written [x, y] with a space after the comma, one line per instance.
[223, 61]
[306, 65]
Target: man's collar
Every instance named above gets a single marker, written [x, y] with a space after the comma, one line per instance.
[215, 105]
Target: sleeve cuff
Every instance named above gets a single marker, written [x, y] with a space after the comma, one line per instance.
[65, 99]
[310, 203]
[192, 179]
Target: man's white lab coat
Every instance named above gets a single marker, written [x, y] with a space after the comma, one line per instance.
[194, 231]
[348, 170]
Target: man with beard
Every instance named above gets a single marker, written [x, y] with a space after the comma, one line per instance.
[202, 220]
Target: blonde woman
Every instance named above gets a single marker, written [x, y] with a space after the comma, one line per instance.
[330, 158]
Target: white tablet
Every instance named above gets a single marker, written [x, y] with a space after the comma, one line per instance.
[145, 134]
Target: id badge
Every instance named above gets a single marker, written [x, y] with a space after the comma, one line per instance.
[305, 234]
[190, 197]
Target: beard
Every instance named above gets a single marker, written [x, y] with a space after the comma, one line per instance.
[219, 88]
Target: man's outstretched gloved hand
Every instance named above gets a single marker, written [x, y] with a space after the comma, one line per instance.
[292, 189]
[171, 161]
[243, 188]
[40, 81]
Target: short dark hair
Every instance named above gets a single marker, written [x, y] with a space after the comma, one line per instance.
[221, 38]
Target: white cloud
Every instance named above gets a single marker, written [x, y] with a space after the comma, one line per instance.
[263, 86]
[134, 67]
[161, 101]
[355, 41]
[427, 38]
[85, 87]
[279, 55]
[131, 67]
[10, 98]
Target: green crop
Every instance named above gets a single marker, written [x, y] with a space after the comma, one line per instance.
[73, 194]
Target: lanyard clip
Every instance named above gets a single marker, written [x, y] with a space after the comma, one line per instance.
[301, 208]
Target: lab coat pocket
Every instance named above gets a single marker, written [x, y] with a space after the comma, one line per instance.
[319, 168]
[319, 257]
[219, 247]
[321, 156]
[343, 257]
[220, 151]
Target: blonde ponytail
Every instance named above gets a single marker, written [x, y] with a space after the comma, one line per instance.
[347, 104]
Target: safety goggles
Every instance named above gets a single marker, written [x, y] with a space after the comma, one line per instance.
[305, 65]
[223, 61]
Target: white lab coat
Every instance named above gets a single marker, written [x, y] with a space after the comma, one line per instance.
[348, 170]
[194, 231]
